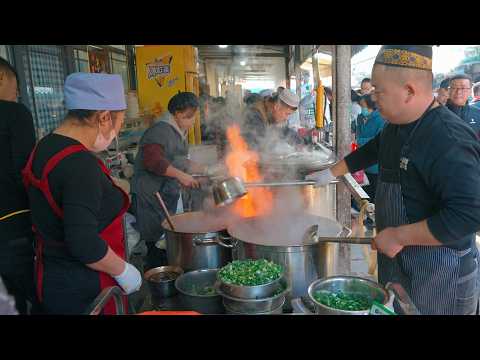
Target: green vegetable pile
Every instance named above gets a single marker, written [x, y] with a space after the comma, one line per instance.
[205, 290]
[343, 301]
[250, 272]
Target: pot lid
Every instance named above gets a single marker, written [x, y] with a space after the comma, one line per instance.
[282, 230]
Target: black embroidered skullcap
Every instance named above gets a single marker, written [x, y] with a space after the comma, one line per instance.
[408, 56]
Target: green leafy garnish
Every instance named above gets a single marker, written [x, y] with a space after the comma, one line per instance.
[343, 301]
[250, 272]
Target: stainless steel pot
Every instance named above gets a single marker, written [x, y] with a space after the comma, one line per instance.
[206, 248]
[161, 280]
[187, 284]
[281, 242]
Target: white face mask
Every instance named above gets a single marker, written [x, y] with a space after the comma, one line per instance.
[101, 143]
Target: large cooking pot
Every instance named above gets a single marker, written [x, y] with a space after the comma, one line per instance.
[281, 240]
[199, 241]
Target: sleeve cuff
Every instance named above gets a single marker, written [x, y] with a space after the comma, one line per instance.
[439, 230]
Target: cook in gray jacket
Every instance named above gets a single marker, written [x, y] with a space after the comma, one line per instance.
[162, 165]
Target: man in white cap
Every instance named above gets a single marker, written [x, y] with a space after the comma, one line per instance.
[270, 112]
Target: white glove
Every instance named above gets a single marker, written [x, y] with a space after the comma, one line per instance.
[130, 279]
[321, 178]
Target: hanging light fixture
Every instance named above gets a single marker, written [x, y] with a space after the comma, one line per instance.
[222, 46]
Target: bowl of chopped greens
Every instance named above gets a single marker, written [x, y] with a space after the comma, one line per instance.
[346, 295]
[197, 291]
[250, 279]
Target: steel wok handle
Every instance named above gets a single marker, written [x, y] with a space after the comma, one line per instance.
[217, 240]
[344, 237]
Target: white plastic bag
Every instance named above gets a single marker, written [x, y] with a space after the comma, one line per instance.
[133, 236]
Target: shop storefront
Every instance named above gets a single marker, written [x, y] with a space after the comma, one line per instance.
[42, 71]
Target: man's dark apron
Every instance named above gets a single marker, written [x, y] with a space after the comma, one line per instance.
[431, 275]
[113, 234]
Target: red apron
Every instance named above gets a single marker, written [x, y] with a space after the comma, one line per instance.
[113, 234]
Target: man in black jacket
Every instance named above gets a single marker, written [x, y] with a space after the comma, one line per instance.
[427, 203]
[459, 90]
[17, 139]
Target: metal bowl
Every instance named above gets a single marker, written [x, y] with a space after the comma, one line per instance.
[187, 285]
[348, 285]
[276, 311]
[161, 280]
[251, 292]
[254, 306]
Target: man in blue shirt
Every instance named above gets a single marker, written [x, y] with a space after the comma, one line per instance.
[369, 124]
[459, 90]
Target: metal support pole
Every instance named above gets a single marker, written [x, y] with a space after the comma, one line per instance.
[287, 70]
[341, 102]
[298, 81]
[316, 73]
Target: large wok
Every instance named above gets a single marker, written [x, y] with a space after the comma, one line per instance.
[287, 163]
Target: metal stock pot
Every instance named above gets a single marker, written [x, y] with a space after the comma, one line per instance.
[282, 241]
[199, 242]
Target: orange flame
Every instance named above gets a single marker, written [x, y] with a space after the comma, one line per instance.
[243, 163]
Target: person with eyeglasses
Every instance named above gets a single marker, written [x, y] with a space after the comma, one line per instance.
[17, 139]
[460, 88]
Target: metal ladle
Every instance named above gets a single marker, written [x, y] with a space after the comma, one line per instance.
[229, 189]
